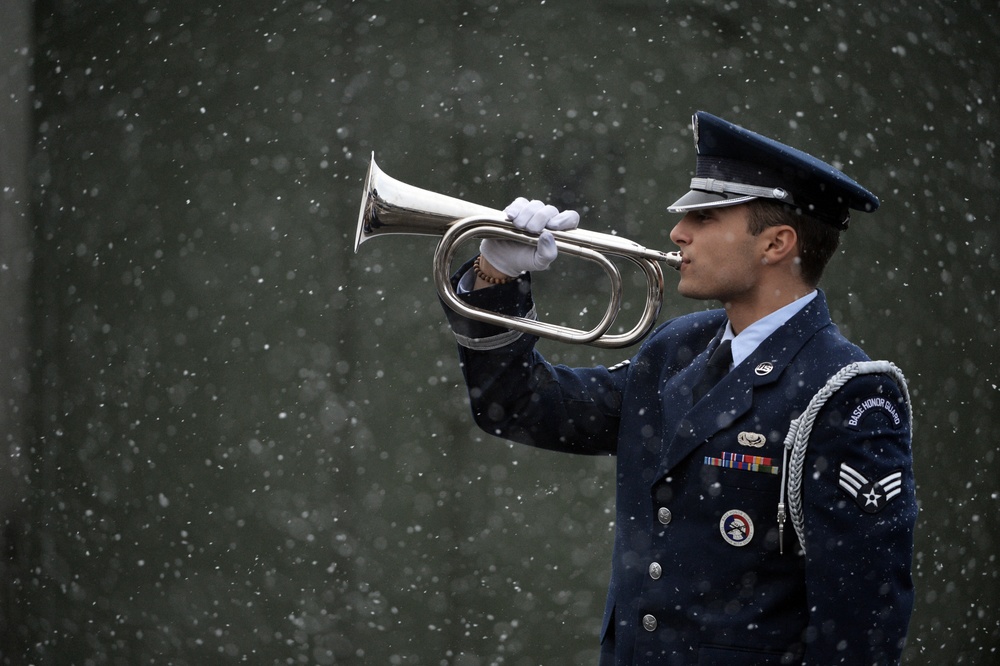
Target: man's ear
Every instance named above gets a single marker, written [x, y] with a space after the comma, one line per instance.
[781, 244]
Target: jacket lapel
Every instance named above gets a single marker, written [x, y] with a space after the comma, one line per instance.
[733, 396]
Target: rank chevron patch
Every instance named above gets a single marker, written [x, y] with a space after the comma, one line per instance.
[871, 496]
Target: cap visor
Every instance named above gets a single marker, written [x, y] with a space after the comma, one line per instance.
[697, 199]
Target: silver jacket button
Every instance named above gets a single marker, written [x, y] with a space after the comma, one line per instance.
[655, 571]
[649, 623]
[664, 515]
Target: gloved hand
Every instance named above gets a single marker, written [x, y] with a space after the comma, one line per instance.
[512, 257]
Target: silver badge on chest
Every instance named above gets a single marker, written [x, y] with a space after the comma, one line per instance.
[736, 528]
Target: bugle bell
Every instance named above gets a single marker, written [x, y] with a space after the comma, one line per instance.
[389, 206]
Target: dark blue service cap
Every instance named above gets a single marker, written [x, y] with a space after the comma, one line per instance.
[735, 165]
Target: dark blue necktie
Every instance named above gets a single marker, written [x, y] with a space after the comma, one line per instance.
[718, 366]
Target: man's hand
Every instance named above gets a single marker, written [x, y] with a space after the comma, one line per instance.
[511, 258]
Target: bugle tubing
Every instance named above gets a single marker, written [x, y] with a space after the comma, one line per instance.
[389, 206]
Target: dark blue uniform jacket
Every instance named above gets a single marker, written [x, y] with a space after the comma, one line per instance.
[697, 573]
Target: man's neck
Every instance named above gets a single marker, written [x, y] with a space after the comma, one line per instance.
[767, 299]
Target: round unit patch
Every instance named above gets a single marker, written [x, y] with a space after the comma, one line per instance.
[736, 528]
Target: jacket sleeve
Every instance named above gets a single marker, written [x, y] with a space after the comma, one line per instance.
[860, 508]
[516, 394]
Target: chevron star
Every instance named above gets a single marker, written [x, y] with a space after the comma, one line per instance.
[872, 497]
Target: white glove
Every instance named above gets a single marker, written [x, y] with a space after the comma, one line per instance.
[513, 257]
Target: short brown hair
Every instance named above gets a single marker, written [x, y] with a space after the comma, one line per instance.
[817, 241]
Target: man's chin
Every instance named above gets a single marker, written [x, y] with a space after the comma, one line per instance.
[689, 292]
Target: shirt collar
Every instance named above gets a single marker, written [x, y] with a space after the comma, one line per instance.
[750, 338]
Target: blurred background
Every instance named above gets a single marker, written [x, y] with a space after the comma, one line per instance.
[229, 438]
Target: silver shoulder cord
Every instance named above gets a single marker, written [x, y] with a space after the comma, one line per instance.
[797, 440]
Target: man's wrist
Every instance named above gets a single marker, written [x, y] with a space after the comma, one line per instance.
[487, 275]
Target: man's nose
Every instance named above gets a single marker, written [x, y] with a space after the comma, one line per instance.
[678, 235]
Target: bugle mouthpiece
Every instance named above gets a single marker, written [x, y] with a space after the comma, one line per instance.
[673, 259]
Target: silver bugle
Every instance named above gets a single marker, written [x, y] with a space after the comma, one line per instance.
[390, 206]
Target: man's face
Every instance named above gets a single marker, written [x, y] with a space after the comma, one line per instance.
[722, 260]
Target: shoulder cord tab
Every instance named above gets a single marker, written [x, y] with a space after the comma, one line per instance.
[800, 429]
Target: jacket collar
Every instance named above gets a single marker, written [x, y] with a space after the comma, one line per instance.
[732, 397]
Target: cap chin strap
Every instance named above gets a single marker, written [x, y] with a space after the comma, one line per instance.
[728, 187]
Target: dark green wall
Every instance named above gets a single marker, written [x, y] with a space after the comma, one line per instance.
[250, 444]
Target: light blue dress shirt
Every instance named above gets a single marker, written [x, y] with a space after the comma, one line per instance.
[747, 341]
